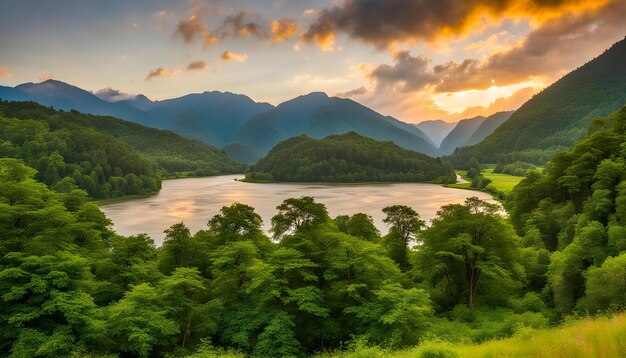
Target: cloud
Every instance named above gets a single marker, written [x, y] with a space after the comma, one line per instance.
[547, 52]
[196, 66]
[231, 56]
[190, 29]
[4, 73]
[407, 74]
[355, 92]
[384, 23]
[247, 23]
[242, 24]
[501, 104]
[113, 95]
[194, 29]
[162, 72]
[283, 29]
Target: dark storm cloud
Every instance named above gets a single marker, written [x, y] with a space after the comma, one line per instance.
[385, 22]
[552, 47]
[408, 73]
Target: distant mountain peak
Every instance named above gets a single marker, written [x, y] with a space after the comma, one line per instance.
[314, 95]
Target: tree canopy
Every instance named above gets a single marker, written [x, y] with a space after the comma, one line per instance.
[348, 157]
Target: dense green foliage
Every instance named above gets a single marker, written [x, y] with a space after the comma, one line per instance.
[71, 286]
[517, 169]
[105, 156]
[67, 155]
[348, 158]
[556, 118]
[575, 213]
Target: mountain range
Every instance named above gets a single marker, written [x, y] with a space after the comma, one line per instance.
[245, 129]
[471, 131]
[558, 116]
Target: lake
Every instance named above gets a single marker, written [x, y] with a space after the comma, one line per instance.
[195, 200]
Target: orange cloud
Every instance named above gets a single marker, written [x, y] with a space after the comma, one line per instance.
[546, 52]
[283, 29]
[194, 29]
[231, 56]
[512, 102]
[324, 39]
[4, 73]
[162, 72]
[196, 66]
[386, 23]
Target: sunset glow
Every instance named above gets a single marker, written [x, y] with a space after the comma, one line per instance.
[413, 60]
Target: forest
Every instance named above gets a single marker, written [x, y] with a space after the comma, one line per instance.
[72, 286]
[347, 158]
[316, 285]
[105, 156]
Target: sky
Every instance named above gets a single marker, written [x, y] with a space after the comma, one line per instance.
[412, 59]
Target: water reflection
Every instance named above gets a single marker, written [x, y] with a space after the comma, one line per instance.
[194, 201]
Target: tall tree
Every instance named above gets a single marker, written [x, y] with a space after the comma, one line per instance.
[466, 243]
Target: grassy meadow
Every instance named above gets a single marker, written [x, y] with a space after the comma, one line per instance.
[589, 337]
[499, 182]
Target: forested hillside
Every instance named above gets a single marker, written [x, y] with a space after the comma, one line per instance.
[105, 156]
[74, 287]
[71, 286]
[348, 157]
[488, 126]
[575, 214]
[460, 134]
[556, 118]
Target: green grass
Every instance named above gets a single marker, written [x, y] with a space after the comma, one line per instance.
[589, 337]
[499, 182]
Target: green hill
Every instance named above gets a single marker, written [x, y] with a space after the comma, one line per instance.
[348, 157]
[556, 118]
[577, 206]
[107, 157]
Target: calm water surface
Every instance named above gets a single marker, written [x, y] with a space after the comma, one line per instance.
[195, 200]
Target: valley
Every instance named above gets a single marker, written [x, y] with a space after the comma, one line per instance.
[350, 178]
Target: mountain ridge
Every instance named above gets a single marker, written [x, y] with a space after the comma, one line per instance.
[554, 119]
